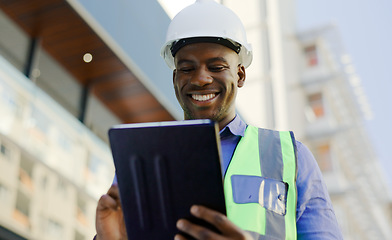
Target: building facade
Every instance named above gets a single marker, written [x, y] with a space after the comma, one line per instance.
[66, 76]
[335, 110]
[305, 82]
[53, 169]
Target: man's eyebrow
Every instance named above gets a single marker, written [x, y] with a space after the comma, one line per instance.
[181, 61]
[217, 59]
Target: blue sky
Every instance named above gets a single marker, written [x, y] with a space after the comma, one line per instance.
[366, 33]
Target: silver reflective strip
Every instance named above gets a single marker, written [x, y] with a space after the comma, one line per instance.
[270, 152]
[271, 164]
[257, 236]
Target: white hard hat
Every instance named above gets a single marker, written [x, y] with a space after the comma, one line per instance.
[206, 21]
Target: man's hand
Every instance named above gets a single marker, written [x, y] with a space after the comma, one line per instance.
[220, 221]
[109, 220]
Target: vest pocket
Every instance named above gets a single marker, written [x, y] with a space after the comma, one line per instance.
[271, 194]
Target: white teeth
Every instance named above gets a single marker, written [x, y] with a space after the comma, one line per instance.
[205, 97]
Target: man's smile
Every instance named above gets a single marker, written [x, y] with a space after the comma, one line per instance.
[203, 97]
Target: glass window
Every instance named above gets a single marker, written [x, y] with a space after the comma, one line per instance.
[81, 211]
[14, 43]
[5, 151]
[22, 209]
[3, 193]
[54, 228]
[79, 236]
[44, 182]
[26, 172]
[64, 142]
[311, 56]
[316, 103]
[94, 163]
[62, 188]
[323, 157]
[22, 203]
[11, 101]
[41, 121]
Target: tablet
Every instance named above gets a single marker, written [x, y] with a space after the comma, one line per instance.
[163, 169]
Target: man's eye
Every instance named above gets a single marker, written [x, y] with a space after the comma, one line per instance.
[185, 69]
[217, 68]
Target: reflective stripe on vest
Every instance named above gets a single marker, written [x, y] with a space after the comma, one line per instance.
[259, 185]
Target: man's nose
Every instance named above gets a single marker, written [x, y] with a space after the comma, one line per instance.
[201, 78]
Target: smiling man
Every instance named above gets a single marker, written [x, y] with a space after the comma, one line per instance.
[273, 186]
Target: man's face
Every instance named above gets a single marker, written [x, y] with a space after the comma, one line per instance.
[206, 80]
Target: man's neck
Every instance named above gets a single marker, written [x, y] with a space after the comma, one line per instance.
[223, 123]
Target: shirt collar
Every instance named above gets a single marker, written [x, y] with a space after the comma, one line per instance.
[236, 127]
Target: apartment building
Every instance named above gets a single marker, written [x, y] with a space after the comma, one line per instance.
[306, 82]
[335, 111]
[64, 81]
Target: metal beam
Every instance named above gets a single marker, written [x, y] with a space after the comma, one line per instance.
[83, 103]
[32, 57]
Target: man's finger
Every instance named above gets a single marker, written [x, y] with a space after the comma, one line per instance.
[113, 191]
[195, 231]
[217, 219]
[179, 237]
[110, 200]
[106, 202]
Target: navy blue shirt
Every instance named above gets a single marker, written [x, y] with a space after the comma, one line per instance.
[315, 216]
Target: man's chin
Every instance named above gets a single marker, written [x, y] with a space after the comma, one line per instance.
[200, 116]
[203, 113]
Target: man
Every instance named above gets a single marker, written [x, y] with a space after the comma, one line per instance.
[265, 197]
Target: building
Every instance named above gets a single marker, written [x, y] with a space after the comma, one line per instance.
[306, 82]
[335, 109]
[66, 76]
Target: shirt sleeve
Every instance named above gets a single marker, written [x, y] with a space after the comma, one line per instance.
[315, 215]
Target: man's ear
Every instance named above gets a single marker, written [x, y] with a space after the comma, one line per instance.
[241, 76]
[174, 74]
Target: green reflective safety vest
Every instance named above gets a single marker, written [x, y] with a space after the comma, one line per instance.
[260, 188]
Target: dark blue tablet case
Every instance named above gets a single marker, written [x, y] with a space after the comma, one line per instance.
[162, 170]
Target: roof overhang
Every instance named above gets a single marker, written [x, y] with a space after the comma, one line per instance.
[66, 36]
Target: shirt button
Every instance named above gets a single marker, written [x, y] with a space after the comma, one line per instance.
[281, 197]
